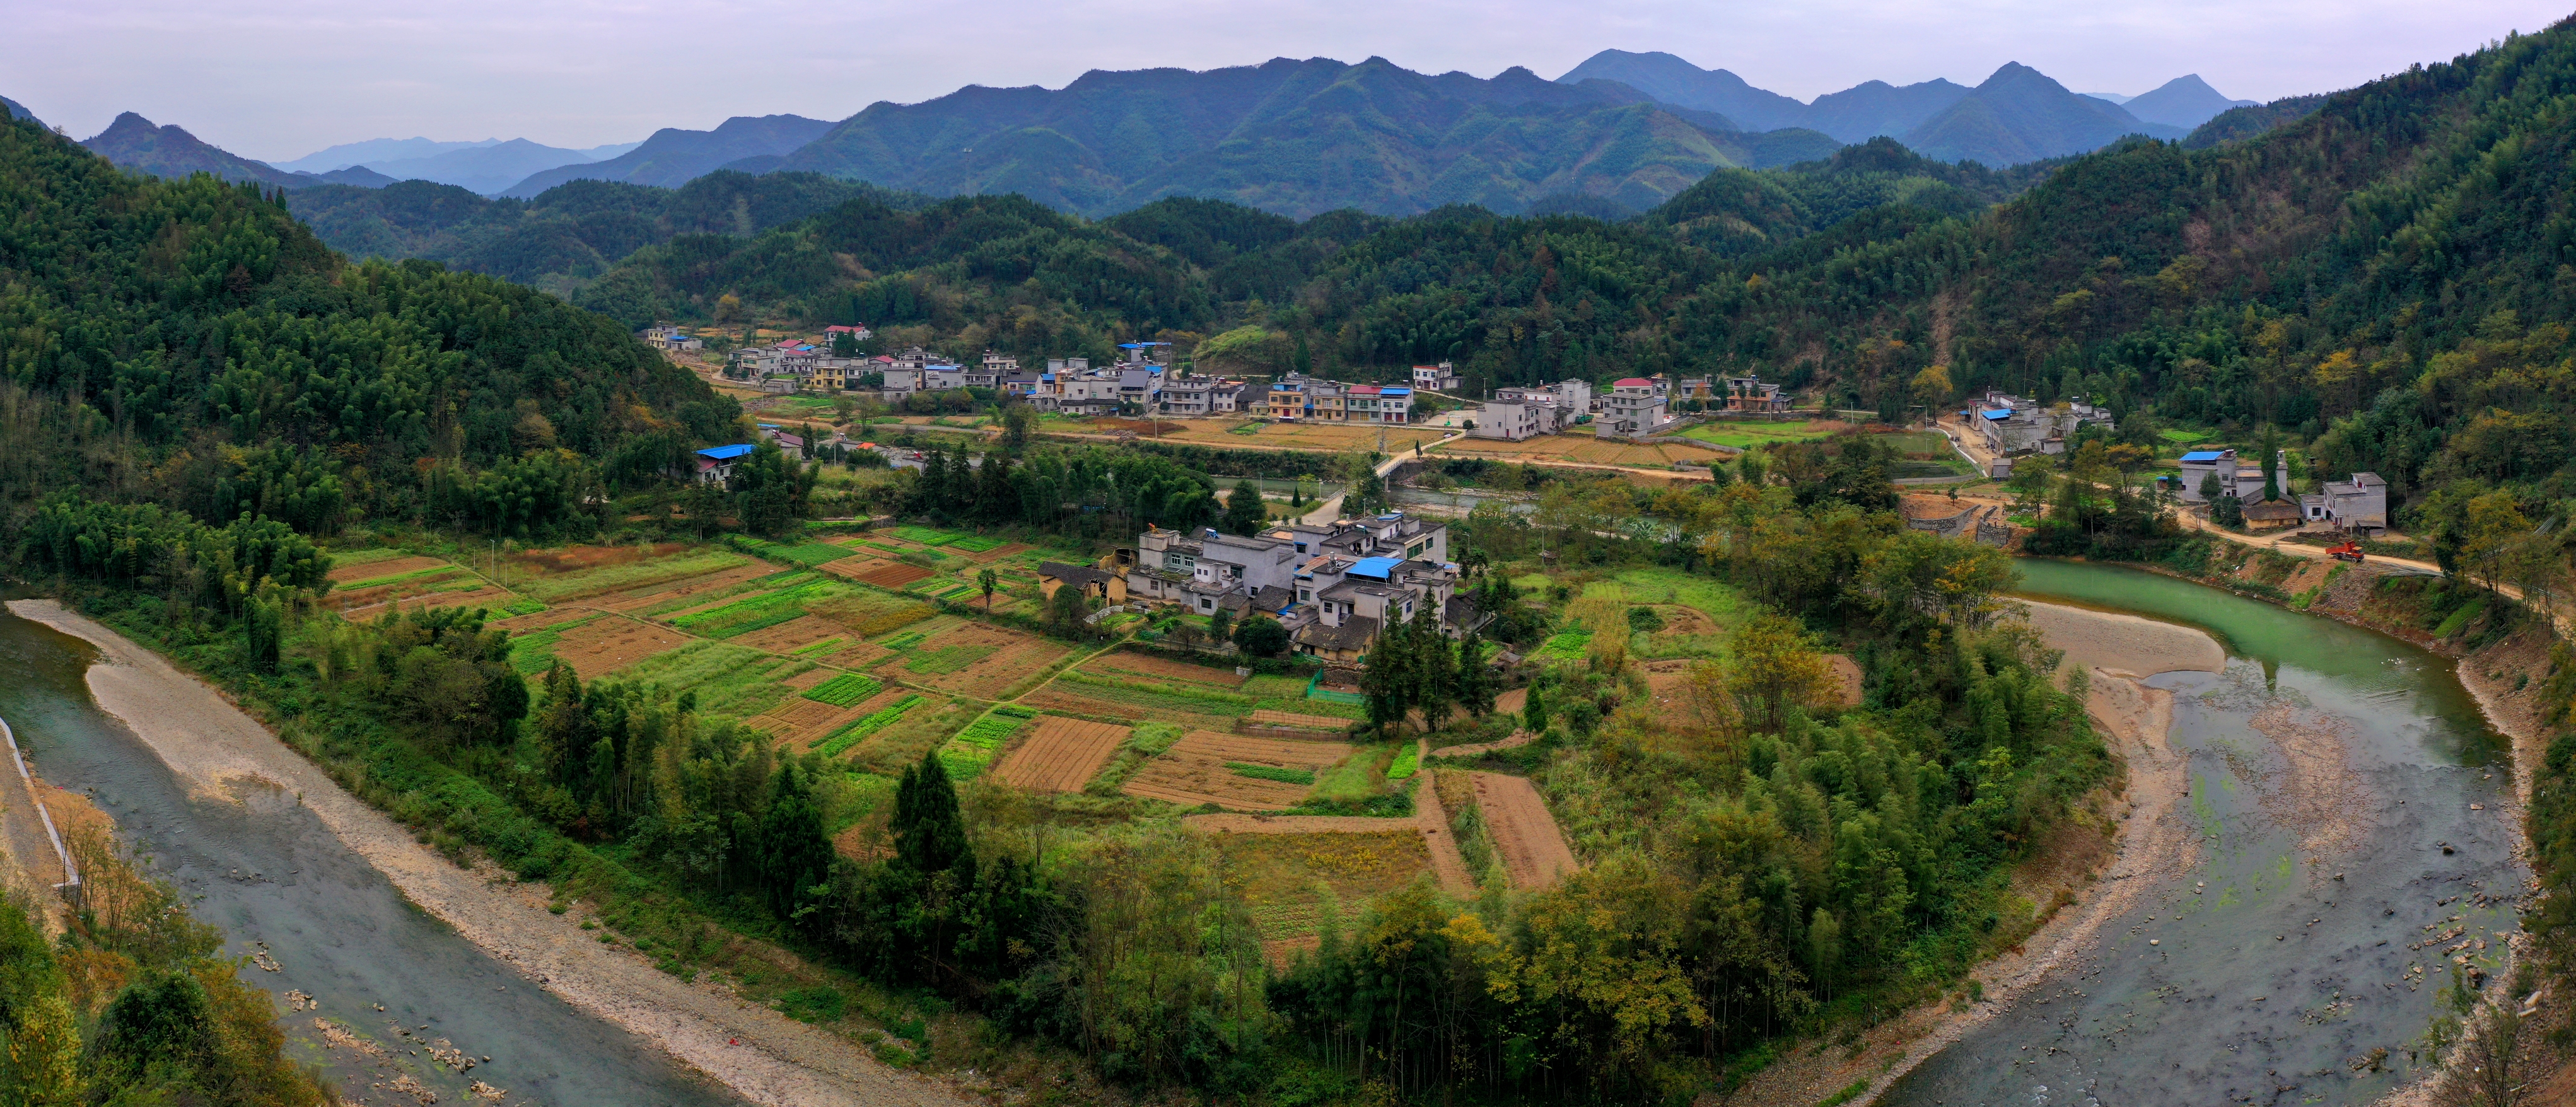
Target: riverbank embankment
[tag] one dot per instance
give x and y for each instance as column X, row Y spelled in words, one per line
column 221, row 753
column 2094, row 879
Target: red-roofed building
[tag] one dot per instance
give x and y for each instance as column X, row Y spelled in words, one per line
column 1634, row 409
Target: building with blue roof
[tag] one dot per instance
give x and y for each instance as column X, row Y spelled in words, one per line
column 715, row 463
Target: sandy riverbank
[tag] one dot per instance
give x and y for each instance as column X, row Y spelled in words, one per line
column 2153, row 835
column 214, row 747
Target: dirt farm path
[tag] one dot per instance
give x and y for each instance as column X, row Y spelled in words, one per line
column 208, row 742
column 1534, row 852
column 1447, row 863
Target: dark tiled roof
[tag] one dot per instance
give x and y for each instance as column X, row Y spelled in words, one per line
column 1464, row 614
column 1273, row 599
column 1073, row 574
column 1353, row 635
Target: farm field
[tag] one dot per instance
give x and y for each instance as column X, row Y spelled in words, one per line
column 1526, row 838
column 1284, row 878
column 1061, row 755
column 976, row 659
column 1585, row 450
column 1748, row 433
column 609, row 643
column 1320, row 437
column 1120, row 664
column 1200, row 769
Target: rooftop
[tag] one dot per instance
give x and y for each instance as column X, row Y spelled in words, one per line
column 2203, row 455
column 725, row 453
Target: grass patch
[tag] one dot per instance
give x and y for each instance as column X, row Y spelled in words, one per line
column 858, row 730
column 1746, row 435
column 351, row 559
column 631, row 575
column 926, row 536
column 1301, row 705
column 731, row 681
column 767, row 609
column 977, row 544
column 400, row 578
column 973, row 749
column 1272, row 772
column 905, row 641
column 523, row 607
column 1144, row 743
column 821, row 648
column 1175, row 698
column 1355, row 779
column 844, row 690
column 1566, row 645
column 945, row 659
column 1407, row 762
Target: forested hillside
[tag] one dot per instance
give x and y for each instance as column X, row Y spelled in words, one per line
column 569, row 233
column 1296, row 137
column 189, row 344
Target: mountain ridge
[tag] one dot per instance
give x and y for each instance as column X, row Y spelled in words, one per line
column 136, row 143
column 674, row 156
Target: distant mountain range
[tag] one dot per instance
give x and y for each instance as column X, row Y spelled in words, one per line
column 137, row 143
column 16, row 110
column 2017, row 115
column 1297, row 137
column 673, row 157
column 1621, row 133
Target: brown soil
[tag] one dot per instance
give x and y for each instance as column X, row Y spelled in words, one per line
column 1015, row 656
column 521, row 624
column 892, row 574
column 1194, row 771
column 799, row 723
column 573, row 559
column 995, row 554
column 649, row 595
column 852, row 568
column 1680, row 620
column 1062, row 755
column 391, row 567
column 1056, row 697
column 1162, row 668
column 1514, row 701
column 1303, row 722
column 794, row 634
column 1479, row 749
column 489, row 597
column 1533, row 851
column 1847, row 679
column 609, row 643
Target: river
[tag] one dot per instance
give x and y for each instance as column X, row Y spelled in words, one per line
column 267, row 871
column 2352, row 806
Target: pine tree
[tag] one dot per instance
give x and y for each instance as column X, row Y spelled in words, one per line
column 1244, row 511
column 1534, row 710
column 794, row 853
column 1435, row 667
column 1475, row 678
column 1386, row 678
column 929, row 831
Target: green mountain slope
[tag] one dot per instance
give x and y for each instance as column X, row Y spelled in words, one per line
column 190, row 343
column 673, row 157
column 1296, row 137
column 2390, row 273
column 135, row 143
column 568, row 234
column 2019, row 115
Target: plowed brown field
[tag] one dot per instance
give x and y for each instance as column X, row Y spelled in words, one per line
column 609, row 643
column 1054, row 697
column 634, row 599
column 1162, row 668
column 1062, row 755
column 1194, row 771
column 1014, row 656
column 1533, row 851
column 387, row 568
column 892, row 574
column 794, row 634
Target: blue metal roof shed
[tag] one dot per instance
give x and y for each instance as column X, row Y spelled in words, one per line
column 1374, row 568
column 725, row 453
column 2204, row 455
column 1998, row 413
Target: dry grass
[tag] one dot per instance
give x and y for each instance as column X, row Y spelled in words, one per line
column 1194, row 771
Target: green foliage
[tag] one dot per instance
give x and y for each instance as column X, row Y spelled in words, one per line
column 966, row 755
column 1408, row 760
column 767, row 609
column 844, row 690
column 1272, row 772
column 857, row 731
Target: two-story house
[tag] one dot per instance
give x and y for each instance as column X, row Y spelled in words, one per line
column 1634, row 408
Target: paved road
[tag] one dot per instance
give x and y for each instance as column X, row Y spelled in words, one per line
column 1331, row 509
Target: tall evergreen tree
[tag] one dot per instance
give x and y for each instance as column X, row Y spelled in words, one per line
column 794, row 853
column 1475, row 679
column 1244, row 512
column 1435, row 667
column 929, row 831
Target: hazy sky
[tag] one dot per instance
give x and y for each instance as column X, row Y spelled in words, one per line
column 279, row 79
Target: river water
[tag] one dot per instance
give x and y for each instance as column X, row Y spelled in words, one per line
column 267, row 871
column 2330, row 767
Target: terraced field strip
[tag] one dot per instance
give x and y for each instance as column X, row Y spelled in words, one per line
column 1533, row 850
column 1119, row 664
column 394, row 570
column 1302, row 722
column 968, row 753
column 893, row 574
column 1199, row 769
column 703, row 585
column 1062, row 756
column 609, row 643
